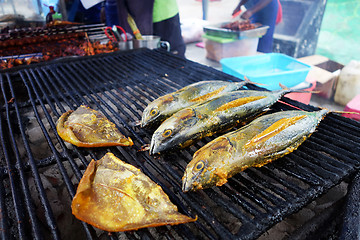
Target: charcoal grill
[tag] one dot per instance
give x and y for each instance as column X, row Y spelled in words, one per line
column 120, row 85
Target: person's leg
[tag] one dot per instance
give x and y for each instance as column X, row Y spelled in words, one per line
column 266, row 16
column 140, row 10
column 112, row 16
column 170, row 30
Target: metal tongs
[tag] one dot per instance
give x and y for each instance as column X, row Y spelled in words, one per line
column 114, row 35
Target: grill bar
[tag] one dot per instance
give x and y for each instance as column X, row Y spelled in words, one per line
column 4, row 229
column 36, row 175
column 18, row 201
column 89, row 96
column 67, row 181
column 120, row 85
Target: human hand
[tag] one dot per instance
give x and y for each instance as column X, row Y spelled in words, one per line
column 236, row 10
column 247, row 14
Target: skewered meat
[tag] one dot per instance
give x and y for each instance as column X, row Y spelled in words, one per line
column 62, row 48
column 50, row 41
column 239, row 25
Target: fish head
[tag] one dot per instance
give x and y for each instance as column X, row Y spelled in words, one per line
column 209, row 166
column 150, row 114
column 173, row 132
column 156, row 110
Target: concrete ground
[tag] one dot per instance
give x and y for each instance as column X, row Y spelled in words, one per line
column 217, row 11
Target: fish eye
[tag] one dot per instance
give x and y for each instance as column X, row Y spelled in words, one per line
column 199, row 166
column 153, row 112
column 167, row 133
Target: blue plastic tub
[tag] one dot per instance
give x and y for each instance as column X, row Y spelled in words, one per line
column 269, row 69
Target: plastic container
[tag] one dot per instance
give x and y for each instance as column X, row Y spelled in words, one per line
column 268, row 69
column 218, row 48
column 348, row 85
column 218, row 31
column 151, row 42
column 353, row 106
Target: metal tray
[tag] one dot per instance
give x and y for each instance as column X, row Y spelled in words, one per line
column 217, row 30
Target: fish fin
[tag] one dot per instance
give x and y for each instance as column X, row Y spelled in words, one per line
column 304, row 91
column 273, row 130
column 345, row 112
column 247, row 81
column 208, row 95
column 144, row 148
column 285, row 88
column 238, row 102
column 135, row 124
column 340, row 112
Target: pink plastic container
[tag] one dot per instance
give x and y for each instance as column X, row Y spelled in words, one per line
column 353, row 106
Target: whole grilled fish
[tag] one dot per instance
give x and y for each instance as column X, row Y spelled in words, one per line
column 164, row 106
column 265, row 139
column 205, row 119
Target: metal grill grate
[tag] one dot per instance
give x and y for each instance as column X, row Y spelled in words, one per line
column 120, row 85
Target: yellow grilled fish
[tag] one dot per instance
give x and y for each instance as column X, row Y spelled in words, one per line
column 163, row 107
column 213, row 116
column 265, row 139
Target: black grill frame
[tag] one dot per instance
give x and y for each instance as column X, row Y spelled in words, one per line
column 120, row 85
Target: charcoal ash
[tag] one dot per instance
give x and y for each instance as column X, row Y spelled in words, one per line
column 59, row 200
column 294, row 225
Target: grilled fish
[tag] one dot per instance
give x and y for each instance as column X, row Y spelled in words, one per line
column 163, row 107
column 115, row 196
column 86, row 127
column 265, row 139
column 205, row 119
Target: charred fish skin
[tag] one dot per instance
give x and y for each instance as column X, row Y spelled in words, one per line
column 208, row 118
column 164, row 106
column 265, row 139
